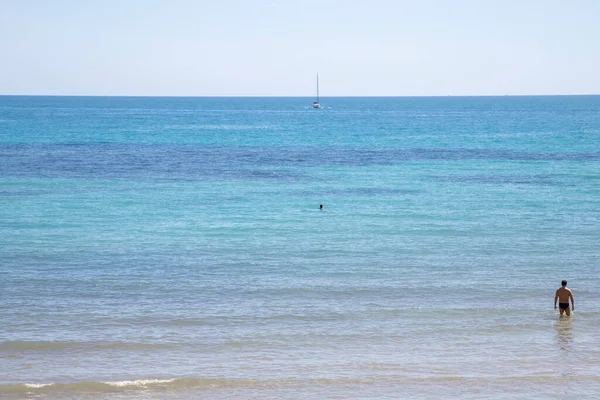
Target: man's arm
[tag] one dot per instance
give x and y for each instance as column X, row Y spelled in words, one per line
column 572, row 300
column 555, row 298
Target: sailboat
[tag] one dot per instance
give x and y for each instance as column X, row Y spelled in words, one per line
column 316, row 104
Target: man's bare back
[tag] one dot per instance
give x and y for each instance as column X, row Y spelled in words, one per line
column 563, row 294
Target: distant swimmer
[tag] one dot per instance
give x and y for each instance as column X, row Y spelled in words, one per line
column 563, row 294
column 320, row 206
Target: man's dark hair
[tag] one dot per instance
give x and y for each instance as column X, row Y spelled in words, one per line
column 564, row 283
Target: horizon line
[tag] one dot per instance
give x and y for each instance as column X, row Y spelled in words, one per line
column 293, row 96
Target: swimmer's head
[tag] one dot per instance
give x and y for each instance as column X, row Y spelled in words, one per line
column 564, row 283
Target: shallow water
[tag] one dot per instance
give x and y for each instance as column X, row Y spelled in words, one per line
column 173, row 247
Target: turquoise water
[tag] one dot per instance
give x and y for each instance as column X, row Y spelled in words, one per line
column 174, row 248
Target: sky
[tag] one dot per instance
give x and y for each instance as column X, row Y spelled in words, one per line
column 277, row 47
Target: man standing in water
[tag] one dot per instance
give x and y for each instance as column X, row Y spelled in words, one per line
column 563, row 294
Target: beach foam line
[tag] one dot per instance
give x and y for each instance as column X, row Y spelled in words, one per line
column 181, row 384
column 122, row 386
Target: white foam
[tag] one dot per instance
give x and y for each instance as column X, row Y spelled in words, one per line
column 140, row 382
column 38, row 385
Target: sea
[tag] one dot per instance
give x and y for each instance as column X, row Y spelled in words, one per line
column 174, row 248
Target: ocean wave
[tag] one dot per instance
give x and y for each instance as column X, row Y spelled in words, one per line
column 124, row 385
column 182, row 384
column 33, row 345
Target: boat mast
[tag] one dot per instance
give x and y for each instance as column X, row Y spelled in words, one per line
column 317, row 87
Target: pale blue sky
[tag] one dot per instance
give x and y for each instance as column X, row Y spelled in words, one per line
column 276, row 47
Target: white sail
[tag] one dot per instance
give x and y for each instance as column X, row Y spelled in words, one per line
column 317, row 104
